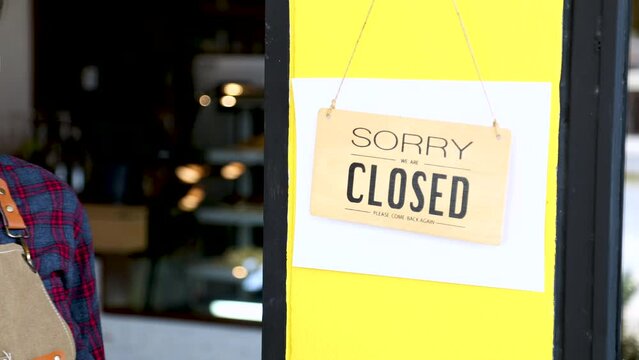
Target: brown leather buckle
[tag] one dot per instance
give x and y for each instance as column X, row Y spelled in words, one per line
column 11, row 217
column 13, row 222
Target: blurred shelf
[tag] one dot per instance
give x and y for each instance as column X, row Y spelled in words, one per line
column 213, row 271
column 213, row 69
column 243, row 103
column 632, row 154
column 633, row 80
column 247, row 156
column 237, row 215
column 248, row 275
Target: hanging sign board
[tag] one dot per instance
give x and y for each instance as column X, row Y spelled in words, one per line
column 432, row 177
column 404, row 182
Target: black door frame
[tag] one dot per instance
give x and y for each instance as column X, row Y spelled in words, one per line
column 590, row 179
column 275, row 179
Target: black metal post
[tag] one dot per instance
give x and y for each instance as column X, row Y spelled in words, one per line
column 591, row 170
column 275, row 180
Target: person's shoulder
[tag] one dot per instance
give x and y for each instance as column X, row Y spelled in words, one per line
column 23, row 174
column 9, row 163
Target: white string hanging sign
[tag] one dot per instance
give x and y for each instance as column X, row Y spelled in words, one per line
column 426, row 176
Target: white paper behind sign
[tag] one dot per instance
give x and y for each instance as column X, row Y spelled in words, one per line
column 518, row 263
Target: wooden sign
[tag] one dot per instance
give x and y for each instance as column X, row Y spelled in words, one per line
column 432, row 177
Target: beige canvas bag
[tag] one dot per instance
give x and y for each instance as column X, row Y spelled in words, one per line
column 30, row 326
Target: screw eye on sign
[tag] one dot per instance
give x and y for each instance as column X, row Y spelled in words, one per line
column 432, row 177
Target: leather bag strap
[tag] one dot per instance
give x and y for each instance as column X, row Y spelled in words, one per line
column 56, row 355
column 13, row 222
column 10, row 213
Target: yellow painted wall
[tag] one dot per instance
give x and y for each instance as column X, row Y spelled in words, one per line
column 334, row 315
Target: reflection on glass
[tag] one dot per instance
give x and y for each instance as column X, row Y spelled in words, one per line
column 237, row 310
column 205, row 100
column 190, row 174
column 239, row 272
column 233, row 89
column 192, row 199
column 233, row 170
column 228, row 101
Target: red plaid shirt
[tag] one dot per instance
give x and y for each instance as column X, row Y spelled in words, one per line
column 61, row 245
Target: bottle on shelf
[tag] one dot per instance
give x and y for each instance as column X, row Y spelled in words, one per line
column 57, row 146
column 71, row 163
